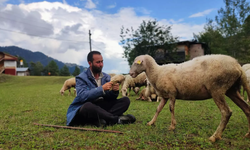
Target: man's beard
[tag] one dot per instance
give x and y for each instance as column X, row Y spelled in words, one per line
column 96, row 69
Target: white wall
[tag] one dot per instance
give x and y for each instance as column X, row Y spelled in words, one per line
column 20, row 73
column 10, row 64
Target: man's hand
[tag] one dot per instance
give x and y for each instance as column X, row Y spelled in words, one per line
column 107, row 86
column 115, row 87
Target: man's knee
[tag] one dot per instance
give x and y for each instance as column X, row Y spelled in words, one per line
column 125, row 100
column 87, row 106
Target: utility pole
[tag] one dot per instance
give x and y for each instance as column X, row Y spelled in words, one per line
column 90, row 41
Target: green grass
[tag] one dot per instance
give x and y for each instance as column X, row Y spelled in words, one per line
column 25, row 100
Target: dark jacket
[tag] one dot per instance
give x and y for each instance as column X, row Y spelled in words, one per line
column 87, row 91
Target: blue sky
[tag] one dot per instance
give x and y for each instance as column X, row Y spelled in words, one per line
column 60, row 28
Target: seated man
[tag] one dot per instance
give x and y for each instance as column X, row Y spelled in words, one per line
column 96, row 102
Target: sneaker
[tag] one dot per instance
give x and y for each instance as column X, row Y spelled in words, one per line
column 100, row 123
column 126, row 119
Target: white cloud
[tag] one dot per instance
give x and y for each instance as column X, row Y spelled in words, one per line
column 90, row 5
column 2, row 2
column 200, row 14
column 54, row 21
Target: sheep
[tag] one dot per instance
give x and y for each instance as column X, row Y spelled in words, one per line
column 248, row 81
column 119, row 78
column 67, row 85
column 150, row 92
column 112, row 74
column 246, row 68
column 142, row 95
column 132, row 82
column 204, row 77
column 136, row 90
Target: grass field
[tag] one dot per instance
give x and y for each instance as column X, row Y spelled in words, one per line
column 28, row 100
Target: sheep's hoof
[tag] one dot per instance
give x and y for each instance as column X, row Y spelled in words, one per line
column 171, row 128
column 149, row 123
column 247, row 135
column 213, row 138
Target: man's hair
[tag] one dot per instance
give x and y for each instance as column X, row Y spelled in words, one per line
column 90, row 55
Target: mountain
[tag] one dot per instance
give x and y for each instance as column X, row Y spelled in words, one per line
column 37, row 56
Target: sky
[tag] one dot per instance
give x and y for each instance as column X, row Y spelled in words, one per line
column 60, row 29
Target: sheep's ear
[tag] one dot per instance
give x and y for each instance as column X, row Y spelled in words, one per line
column 139, row 62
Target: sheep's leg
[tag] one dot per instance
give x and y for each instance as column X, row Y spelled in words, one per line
column 171, row 107
column 158, row 98
column 149, row 99
column 159, row 108
column 129, row 89
column 226, row 113
column 236, row 98
column 69, row 92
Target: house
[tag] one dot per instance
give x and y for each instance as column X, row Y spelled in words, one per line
column 23, row 71
column 8, row 63
column 185, row 50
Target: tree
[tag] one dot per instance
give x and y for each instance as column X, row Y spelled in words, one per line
column 25, row 64
column 145, row 39
column 36, row 69
column 51, row 68
column 212, row 37
column 77, row 71
column 64, row 71
column 230, row 31
column 230, row 21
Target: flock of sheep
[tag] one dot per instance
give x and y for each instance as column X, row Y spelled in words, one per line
column 204, row 77
column 127, row 84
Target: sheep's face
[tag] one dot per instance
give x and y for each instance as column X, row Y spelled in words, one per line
column 124, row 92
column 136, row 90
column 62, row 92
column 137, row 67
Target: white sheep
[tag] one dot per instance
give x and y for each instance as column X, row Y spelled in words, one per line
column 119, row 78
column 136, row 90
column 112, row 74
column 248, row 81
column 246, row 68
column 204, row 77
column 67, row 85
column 151, row 93
column 142, row 95
column 130, row 82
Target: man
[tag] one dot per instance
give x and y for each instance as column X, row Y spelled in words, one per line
column 96, row 102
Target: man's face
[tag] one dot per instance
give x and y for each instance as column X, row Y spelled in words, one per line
column 97, row 64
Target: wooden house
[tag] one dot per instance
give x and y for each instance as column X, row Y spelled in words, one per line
column 185, row 50
column 8, row 63
column 23, row 71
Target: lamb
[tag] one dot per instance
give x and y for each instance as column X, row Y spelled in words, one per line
column 150, row 92
column 112, row 74
column 136, row 90
column 67, row 85
column 132, row 82
column 204, row 77
column 142, row 95
column 119, row 78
